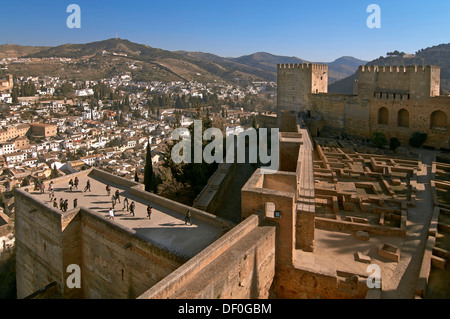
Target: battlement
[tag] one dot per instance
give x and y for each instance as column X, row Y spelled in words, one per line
column 304, row 66
column 401, row 70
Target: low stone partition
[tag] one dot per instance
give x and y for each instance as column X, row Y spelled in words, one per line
column 181, row 208
column 351, row 227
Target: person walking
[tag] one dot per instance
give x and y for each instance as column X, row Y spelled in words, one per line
column 117, row 195
column 88, row 186
column 71, row 184
column 111, row 213
column 55, row 203
column 108, row 190
column 125, row 204
column 132, row 205
column 61, row 203
column 113, row 201
column 50, row 186
column 75, row 203
column 75, row 182
column 51, row 194
column 42, row 188
column 187, row 218
column 66, row 205
column 149, row 211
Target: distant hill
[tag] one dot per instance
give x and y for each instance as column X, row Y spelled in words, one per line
column 102, row 59
column 437, row 55
column 15, row 51
column 338, row 69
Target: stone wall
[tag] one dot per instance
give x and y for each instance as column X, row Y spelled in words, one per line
column 39, row 256
column 241, row 264
column 408, row 97
column 116, row 262
column 295, row 283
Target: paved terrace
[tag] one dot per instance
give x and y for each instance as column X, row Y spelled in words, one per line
column 166, row 226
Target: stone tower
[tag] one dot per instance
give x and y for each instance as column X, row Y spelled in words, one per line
column 296, row 82
column 406, row 83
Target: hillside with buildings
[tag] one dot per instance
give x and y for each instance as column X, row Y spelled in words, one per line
column 95, row 60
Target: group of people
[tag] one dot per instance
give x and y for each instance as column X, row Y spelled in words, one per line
column 64, row 204
column 73, row 184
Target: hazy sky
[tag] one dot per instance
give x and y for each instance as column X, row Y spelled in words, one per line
column 318, row 31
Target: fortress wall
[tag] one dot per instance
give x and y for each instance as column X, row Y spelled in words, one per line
column 302, row 283
column 357, row 118
column 71, row 248
column 237, row 265
column 244, row 271
column 419, row 81
column 116, row 262
column 267, row 121
column 419, row 120
column 288, row 121
column 39, row 258
column 254, row 199
column 393, row 78
column 342, row 111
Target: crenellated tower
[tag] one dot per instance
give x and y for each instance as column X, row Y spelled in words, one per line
column 297, row 81
column 398, row 82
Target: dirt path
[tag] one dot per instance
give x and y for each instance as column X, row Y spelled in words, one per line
column 402, row 284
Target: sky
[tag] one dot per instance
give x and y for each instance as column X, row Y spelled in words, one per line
column 317, row 31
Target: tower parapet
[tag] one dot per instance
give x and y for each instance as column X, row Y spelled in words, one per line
column 414, row 81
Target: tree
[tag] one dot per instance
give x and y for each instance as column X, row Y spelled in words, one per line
column 54, row 173
column 417, row 139
column 394, row 143
column 379, row 139
column 148, row 170
column 136, row 177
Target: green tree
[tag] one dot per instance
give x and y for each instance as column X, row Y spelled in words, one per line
column 417, row 139
column 136, row 177
column 379, row 139
column 148, row 170
column 54, row 173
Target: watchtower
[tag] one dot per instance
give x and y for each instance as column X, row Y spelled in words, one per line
column 296, row 82
column 398, row 82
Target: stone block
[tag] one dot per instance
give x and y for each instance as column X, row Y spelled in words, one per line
column 389, row 252
column 438, row 262
column 362, row 235
column 362, row 258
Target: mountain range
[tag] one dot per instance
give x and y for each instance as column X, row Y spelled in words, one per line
column 102, row 59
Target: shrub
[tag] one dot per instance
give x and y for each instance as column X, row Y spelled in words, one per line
column 417, row 139
column 394, row 143
column 379, row 139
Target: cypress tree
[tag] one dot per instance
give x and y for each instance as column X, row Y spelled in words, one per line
column 148, row 170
